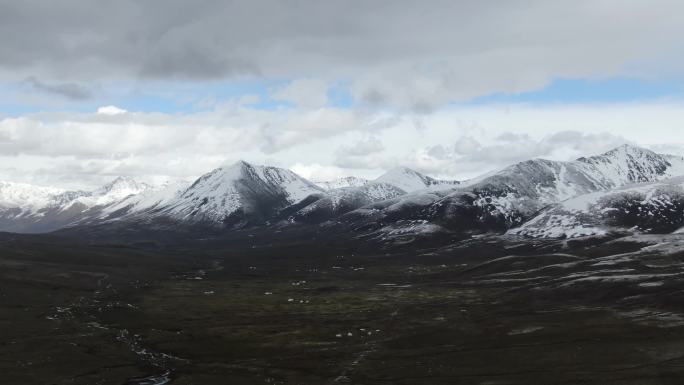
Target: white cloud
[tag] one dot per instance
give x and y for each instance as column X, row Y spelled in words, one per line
column 110, row 110
column 455, row 142
column 468, row 157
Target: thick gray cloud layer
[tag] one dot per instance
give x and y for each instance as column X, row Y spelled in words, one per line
column 406, row 53
column 68, row 90
column 400, row 58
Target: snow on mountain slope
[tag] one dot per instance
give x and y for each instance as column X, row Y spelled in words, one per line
column 244, row 194
column 553, row 181
column 410, row 180
column 295, row 187
column 547, row 182
column 25, row 197
column 338, row 201
column 607, row 182
column 148, row 199
column 357, row 193
column 114, row 191
column 240, row 191
column 653, row 207
column 348, row 181
column 27, row 208
column 508, row 198
column 629, row 164
column 373, row 192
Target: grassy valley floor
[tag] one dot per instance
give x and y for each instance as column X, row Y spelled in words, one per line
column 300, row 308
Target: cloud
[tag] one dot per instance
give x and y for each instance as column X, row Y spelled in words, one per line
column 362, row 147
column 398, row 53
column 508, row 148
column 359, row 155
column 180, row 145
column 307, row 93
column 86, row 149
column 465, row 145
column 110, row 110
column 71, row 91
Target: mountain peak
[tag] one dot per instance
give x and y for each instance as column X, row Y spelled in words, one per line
column 399, row 171
column 123, row 182
column 241, row 190
column 629, row 149
column 123, row 179
column 241, row 163
column 623, row 150
column 119, row 188
column 406, row 179
column 632, row 164
column 231, row 170
column 344, row 182
column 625, row 154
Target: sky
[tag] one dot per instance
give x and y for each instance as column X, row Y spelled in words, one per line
column 171, row 89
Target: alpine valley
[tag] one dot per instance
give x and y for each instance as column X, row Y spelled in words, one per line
column 545, row 272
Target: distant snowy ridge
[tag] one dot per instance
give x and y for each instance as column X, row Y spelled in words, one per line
column 241, row 193
column 532, row 198
column 642, row 207
column 149, row 199
column 410, row 180
column 25, row 195
column 18, row 195
column 29, row 208
column 333, row 203
column 115, row 191
column 510, row 197
column 348, row 181
column 403, row 178
column 357, row 193
column 615, row 179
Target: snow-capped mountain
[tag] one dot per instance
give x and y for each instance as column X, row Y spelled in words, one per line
column 332, row 203
column 357, row 193
column 627, row 187
column 26, row 198
column 409, row 180
column 655, row 207
column 630, row 164
column 114, row 191
column 508, row 198
column 29, row 208
column 347, row 181
column 552, row 181
column 148, row 200
column 238, row 194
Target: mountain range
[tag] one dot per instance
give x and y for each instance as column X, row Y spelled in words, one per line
column 626, row 189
